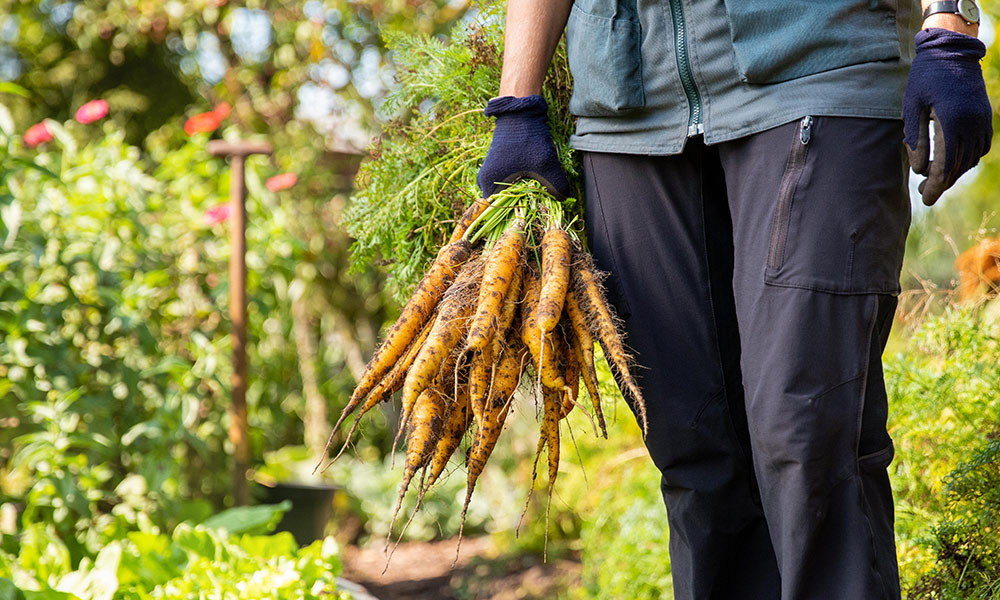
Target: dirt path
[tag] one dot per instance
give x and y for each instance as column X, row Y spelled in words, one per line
column 423, row 571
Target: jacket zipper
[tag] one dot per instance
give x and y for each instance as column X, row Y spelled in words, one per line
column 695, row 125
column 786, row 191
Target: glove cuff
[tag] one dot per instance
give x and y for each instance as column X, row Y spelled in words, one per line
column 956, row 45
column 529, row 106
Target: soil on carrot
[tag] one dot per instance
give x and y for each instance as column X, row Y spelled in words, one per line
column 424, row 571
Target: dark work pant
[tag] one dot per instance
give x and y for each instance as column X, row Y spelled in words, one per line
column 757, row 280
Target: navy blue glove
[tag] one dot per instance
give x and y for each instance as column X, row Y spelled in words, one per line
column 946, row 86
column 522, row 147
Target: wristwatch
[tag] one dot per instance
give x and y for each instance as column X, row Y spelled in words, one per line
column 966, row 9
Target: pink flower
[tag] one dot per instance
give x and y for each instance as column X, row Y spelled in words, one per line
column 281, row 182
column 37, row 134
column 202, row 123
column 217, row 214
column 92, row 111
column 222, row 110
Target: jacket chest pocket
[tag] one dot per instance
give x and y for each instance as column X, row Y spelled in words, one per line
column 779, row 40
column 605, row 60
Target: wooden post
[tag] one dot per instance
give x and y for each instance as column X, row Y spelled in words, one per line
column 239, row 429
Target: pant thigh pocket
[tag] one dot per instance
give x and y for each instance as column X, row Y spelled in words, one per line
column 877, row 461
column 842, row 209
column 606, row 63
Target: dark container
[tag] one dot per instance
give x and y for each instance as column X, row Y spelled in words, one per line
column 312, row 506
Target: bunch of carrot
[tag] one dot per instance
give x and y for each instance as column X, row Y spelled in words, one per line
column 512, row 296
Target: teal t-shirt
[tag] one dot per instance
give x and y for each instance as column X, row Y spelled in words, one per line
column 649, row 74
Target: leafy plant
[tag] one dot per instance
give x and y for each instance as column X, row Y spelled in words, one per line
column 189, row 561
column 965, row 540
column 632, row 522
column 944, row 394
column 114, row 353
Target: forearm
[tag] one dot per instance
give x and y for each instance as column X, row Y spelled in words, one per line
column 533, row 30
column 947, row 21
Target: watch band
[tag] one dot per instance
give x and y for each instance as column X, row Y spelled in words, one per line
column 952, row 7
column 945, row 6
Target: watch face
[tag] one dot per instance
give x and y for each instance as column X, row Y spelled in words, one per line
column 968, row 10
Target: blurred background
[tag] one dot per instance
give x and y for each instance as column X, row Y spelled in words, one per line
column 116, row 438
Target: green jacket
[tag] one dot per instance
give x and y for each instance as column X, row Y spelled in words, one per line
column 648, row 74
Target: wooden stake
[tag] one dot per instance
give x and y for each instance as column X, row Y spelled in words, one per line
column 239, row 429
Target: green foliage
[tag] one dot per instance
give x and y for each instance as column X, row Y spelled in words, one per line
column 249, row 519
column 965, row 540
column 945, row 404
column 114, row 353
column 631, row 522
column 114, row 358
column 184, row 564
column 101, row 411
column 153, row 60
column 423, row 171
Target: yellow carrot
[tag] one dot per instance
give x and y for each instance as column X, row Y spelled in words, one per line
column 415, row 314
column 388, row 386
column 510, row 304
column 582, row 344
column 501, row 264
column 454, row 430
column 479, row 381
column 471, row 214
column 602, row 323
column 572, row 377
column 531, row 334
column 556, row 251
column 429, row 417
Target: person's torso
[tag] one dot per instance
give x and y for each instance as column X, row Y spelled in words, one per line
column 648, row 74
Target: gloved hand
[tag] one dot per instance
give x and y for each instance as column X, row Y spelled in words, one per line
column 946, row 86
column 522, row 147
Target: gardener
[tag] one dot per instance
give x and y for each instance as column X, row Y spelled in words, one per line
column 746, row 189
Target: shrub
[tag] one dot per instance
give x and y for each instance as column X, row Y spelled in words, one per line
column 114, row 353
column 944, row 394
column 181, row 565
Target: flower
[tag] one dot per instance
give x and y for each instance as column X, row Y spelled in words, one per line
column 207, row 121
column 37, row 134
column 92, row 111
column 202, row 123
column 217, row 214
column 222, row 110
column 281, row 182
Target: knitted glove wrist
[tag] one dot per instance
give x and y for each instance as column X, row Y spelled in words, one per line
column 522, row 147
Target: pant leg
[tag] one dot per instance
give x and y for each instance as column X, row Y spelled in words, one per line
column 660, row 226
column 820, row 219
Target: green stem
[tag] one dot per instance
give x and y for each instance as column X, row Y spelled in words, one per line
column 473, row 233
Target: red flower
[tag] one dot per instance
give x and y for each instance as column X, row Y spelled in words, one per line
column 92, row 111
column 37, row 134
column 217, row 214
column 281, row 182
column 202, row 123
column 222, row 110
column 207, row 121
